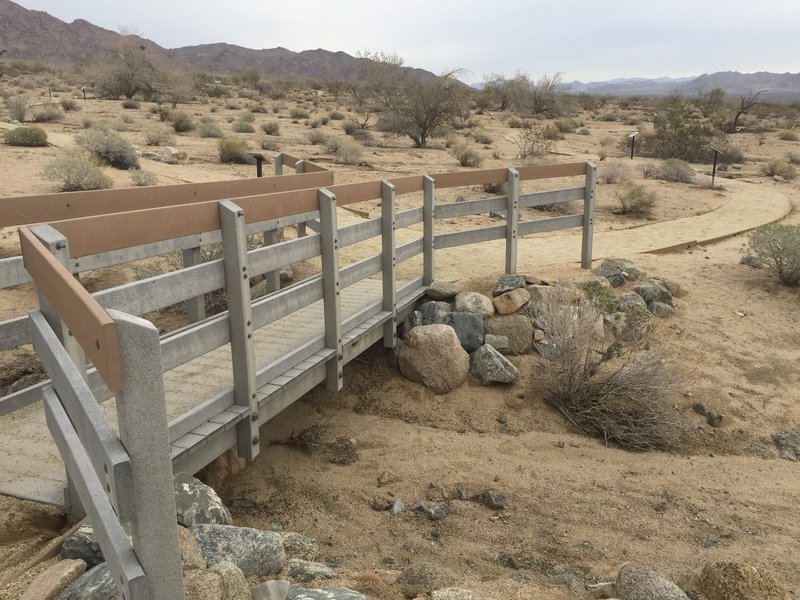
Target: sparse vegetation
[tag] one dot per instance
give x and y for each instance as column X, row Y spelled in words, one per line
column 531, row 143
column 181, row 121
column 298, row 113
column 788, row 136
column 158, row 136
column 672, row 169
column 634, row 199
column 242, row 127
column 75, row 172
column 613, row 173
column 108, row 146
column 140, row 177
column 316, row 137
column 130, row 104
column 233, row 149
column 26, row 136
column 17, row 108
column 68, row 104
column 777, row 246
column 209, row 130
column 271, row 128
column 466, row 155
column 47, row 113
column 779, row 168
column 349, row 152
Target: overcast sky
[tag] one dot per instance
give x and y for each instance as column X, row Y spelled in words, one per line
column 589, row 40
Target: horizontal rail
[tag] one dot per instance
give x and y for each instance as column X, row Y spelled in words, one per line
column 286, row 301
column 92, row 326
column 471, row 207
column 117, row 551
column 360, row 270
column 270, row 258
column 14, row 333
column 409, row 217
column 473, row 236
column 409, row 250
column 551, row 197
column 358, row 232
column 551, row 224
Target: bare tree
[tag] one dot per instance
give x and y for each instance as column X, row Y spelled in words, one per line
column 745, row 104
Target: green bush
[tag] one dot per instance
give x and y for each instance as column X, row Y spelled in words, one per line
column 349, row 153
column 531, row 143
column 130, row 104
column 271, row 128
column 779, row 168
column 209, row 130
column 601, row 297
column 181, row 121
column 466, row 156
column 26, row 136
column 108, row 146
column 234, row 149
column 158, row 136
column 242, row 127
column 778, row 247
column 143, row 178
column 672, row 169
column 635, row 200
column 47, row 113
column 76, row 172
column 68, row 104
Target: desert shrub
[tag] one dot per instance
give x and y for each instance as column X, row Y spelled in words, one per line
column 549, row 132
column 258, row 108
column 672, row 169
column 788, row 136
column 613, row 173
column 583, row 131
column 268, row 144
column 17, row 108
column 481, row 137
column 567, row 125
column 143, row 178
column 209, row 130
column 181, row 121
column 466, row 155
column 618, row 397
column 242, row 127
column 87, row 122
column 531, row 143
column 47, row 113
column 335, row 115
column 271, row 128
column 316, row 137
column 233, row 149
column 609, row 117
column 332, row 143
column 635, row 200
column 247, row 116
column 130, row 104
column 601, row 297
column 164, row 113
column 495, row 188
column 779, row 168
column 349, row 127
column 68, row 104
column 299, row 113
column 793, row 158
column 158, row 136
column 515, row 123
column 365, row 137
column 108, row 146
column 75, row 172
column 314, row 124
column 348, row 153
column 778, row 247
column 26, row 136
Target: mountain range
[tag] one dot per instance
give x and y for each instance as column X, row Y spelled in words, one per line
column 36, row 35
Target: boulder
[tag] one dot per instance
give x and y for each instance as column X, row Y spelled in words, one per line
column 191, row 557
column 434, row 313
column 305, row 571
column 506, row 283
column 618, row 270
column 340, row 593
column 518, row 329
column 432, row 355
column 51, row 582
column 195, row 502
column 442, row 290
column 739, row 581
column 297, row 545
column 234, row 584
column 82, row 545
column 654, row 292
column 673, row 287
column 788, row 444
column 498, row 342
column 412, row 320
column 510, row 302
column 475, row 303
column 631, row 299
column 751, row 261
column 468, row 328
column 94, row 584
column 202, row 585
column 489, row 366
column 172, row 155
column 276, row 589
column 422, row 577
column 636, row 581
column 255, row 552
column 661, row 310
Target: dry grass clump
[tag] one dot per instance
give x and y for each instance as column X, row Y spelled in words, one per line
column 75, row 172
column 613, row 173
column 779, row 168
column 616, row 394
column 777, row 245
column 309, row 439
column 634, row 199
column 466, row 155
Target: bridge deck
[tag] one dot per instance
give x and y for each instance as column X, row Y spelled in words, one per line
column 30, row 465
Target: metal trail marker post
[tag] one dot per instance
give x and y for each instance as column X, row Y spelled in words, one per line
column 717, row 152
column 632, row 136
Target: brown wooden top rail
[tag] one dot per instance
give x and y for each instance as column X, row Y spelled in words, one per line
column 91, row 325
column 102, row 233
column 26, row 210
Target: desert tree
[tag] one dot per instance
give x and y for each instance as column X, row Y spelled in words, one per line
column 746, row 104
column 125, row 71
column 409, row 103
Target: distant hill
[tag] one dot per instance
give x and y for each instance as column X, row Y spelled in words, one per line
column 36, row 35
column 777, row 87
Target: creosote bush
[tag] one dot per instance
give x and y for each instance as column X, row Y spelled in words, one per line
column 17, row 108
column 242, row 127
column 348, row 152
column 605, row 391
column 779, row 168
column 672, row 169
column 298, row 113
column 76, row 172
column 613, row 173
column 140, row 177
column 271, row 128
column 68, row 104
column 158, row 136
column 466, row 155
column 130, row 104
column 209, row 130
column 181, row 121
column 108, row 146
column 778, row 247
column 316, row 137
column 26, row 136
column 532, row 143
column 47, row 113
column 234, row 149
column 634, row 199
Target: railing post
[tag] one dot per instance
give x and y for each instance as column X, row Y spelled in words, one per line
column 272, row 237
column 428, row 239
column 195, row 307
column 299, row 168
column 388, row 262
column 588, row 215
column 512, row 220
column 58, row 245
column 329, row 242
column 240, row 324
column 142, row 417
column 279, row 164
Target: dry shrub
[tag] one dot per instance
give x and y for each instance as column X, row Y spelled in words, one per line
column 309, row 439
column 466, row 155
column 76, row 172
column 342, row 451
column 777, row 245
column 613, row 173
column 634, row 199
column 608, row 392
column 779, row 168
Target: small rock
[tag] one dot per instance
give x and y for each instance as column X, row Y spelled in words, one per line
column 421, row 578
column 788, row 443
column 297, row 545
column 468, row 328
column 699, row 408
column 439, row 511
column 414, row 319
column 435, row 313
column 503, row 419
column 751, row 261
column 491, row 499
column 636, row 581
column 380, row 504
column 475, row 303
column 388, row 477
column 518, row 329
column 654, row 292
column 340, row 593
column 305, row 571
column 286, row 274
column 712, row 541
column 673, row 287
column 195, row 502
column 277, row 589
column 498, row 342
column 51, row 582
column 507, row 283
column 255, row 552
column 661, row 310
column 442, row 290
column 82, row 545
column 432, row 355
column 94, row 584
column 739, row 581
column 455, row 594
column 510, row 302
column 489, row 366
column 618, row 271
column 398, row 506
column 172, row 155
column 714, row 419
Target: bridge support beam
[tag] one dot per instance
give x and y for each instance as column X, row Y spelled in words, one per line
column 428, row 238
column 331, row 292
column 588, row 215
column 389, row 262
column 512, row 220
column 240, row 324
